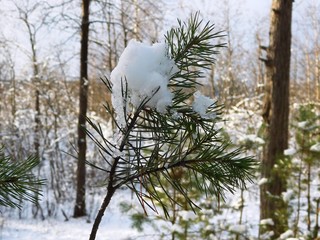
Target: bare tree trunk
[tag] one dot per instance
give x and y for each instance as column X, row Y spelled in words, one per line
column 123, row 24
column 37, row 104
column 317, row 75
column 260, row 72
column 80, row 206
column 276, row 116
column 33, row 28
column 136, row 25
column 296, row 222
column 308, row 76
column 316, row 226
column 32, row 31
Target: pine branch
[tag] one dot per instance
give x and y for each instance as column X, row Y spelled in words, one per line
column 17, row 183
column 191, row 47
column 155, row 148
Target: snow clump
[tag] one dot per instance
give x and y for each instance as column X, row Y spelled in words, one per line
column 201, row 104
column 252, row 138
column 289, row 152
column 315, row 147
column 262, row 181
column 267, row 221
column 286, row 196
column 287, row 234
column 176, row 228
column 187, row 215
column 145, row 71
column 302, row 125
column 237, row 228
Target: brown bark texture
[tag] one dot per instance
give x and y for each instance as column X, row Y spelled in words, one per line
column 276, row 117
column 80, row 206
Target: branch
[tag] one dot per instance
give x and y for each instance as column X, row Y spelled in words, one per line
column 17, row 181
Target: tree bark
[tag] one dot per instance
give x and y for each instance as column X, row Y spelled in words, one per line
column 276, row 117
column 80, row 206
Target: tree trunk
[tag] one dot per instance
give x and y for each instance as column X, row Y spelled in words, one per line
column 32, row 31
column 80, row 206
column 276, row 116
column 35, row 79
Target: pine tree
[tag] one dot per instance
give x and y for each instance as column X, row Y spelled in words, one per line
column 306, row 127
column 153, row 146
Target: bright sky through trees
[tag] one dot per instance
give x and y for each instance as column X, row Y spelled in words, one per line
column 245, row 12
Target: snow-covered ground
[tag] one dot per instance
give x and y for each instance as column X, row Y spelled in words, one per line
column 74, row 229
column 115, row 225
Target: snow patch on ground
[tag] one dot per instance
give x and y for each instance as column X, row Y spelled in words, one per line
column 114, row 226
column 238, row 228
column 52, row 229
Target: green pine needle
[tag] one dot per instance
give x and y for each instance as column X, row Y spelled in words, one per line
column 156, row 148
column 17, row 183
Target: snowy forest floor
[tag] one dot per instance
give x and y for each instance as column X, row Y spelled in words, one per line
column 115, row 225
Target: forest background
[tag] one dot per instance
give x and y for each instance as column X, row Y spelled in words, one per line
column 39, row 88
